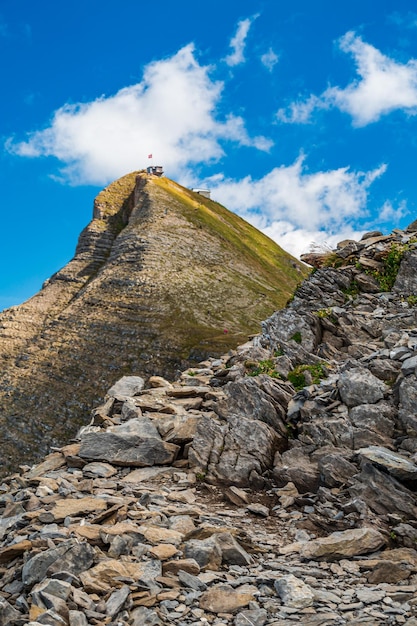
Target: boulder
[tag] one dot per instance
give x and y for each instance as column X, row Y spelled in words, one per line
column 382, row 493
column 234, row 451
column 340, row 545
column 244, row 399
column 127, row 450
column 294, row 592
column 398, row 466
column 127, row 386
column 225, row 599
column 70, row 556
column 359, row 386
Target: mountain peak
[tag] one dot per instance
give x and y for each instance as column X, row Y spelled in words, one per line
column 161, row 278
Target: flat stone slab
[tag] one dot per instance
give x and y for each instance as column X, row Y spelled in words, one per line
column 343, row 544
column 73, row 507
column 127, row 450
column 225, row 599
column 398, row 466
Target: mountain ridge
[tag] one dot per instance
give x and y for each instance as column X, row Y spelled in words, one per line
column 161, row 277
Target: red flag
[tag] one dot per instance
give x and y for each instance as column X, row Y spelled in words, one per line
column 149, row 156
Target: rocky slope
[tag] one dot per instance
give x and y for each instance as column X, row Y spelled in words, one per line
column 161, row 277
column 274, row 485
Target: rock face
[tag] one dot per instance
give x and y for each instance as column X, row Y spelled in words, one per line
column 160, row 277
column 275, row 484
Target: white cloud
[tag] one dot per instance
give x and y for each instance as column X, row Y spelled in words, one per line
column 300, row 112
column 296, row 207
column 298, row 241
column 171, row 113
column 383, row 86
column 269, row 59
column 238, row 42
column 389, row 213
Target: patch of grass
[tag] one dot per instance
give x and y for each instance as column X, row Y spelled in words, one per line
column 387, row 275
column 264, row 367
column 352, row 290
column 297, row 337
column 297, row 375
column 332, row 259
column 412, row 301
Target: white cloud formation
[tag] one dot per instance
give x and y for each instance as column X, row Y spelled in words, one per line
column 383, row 86
column 238, row 42
column 269, row 59
column 297, row 208
column 171, row 113
column 300, row 112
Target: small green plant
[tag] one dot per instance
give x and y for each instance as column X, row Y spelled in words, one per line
column 332, row 259
column 297, row 375
column 412, row 300
column 279, row 352
column 297, row 337
column 291, row 431
column 387, row 275
column 324, row 312
column 264, row 367
column 352, row 290
column 393, row 535
column 200, row 476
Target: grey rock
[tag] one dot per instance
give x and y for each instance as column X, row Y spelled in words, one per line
column 399, row 352
column 127, row 386
column 127, row 450
column 138, row 426
column 117, row 600
column 232, row 553
column 407, row 405
column 385, row 369
column 343, row 544
column 258, row 509
column 358, row 386
column 68, row 556
column 98, row 470
column 409, row 365
column 77, row 618
column 43, row 592
column 294, row 592
column 192, row 582
column 145, row 617
column 283, row 325
column 206, row 552
column 383, row 493
column 244, row 399
column 8, row 613
column 397, row 465
column 295, row 466
column 254, row 617
column 231, row 451
column 335, row 470
column 406, row 281
column 373, row 424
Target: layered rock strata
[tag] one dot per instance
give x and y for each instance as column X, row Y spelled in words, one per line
column 161, row 277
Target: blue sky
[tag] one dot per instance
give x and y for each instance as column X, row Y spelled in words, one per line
column 300, row 116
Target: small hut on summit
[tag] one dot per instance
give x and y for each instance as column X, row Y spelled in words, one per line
column 156, row 170
column 203, row 192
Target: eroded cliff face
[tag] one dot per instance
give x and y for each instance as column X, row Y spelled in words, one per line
column 161, row 278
